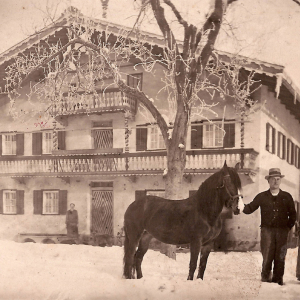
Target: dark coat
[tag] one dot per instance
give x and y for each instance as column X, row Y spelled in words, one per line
column 276, row 211
column 72, row 217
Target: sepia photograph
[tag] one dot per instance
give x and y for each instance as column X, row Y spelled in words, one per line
column 149, row 149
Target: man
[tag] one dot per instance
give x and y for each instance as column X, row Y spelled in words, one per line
column 278, row 216
column 72, row 222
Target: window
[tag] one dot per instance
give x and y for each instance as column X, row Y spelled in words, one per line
column 9, row 144
column 296, row 156
column 212, row 136
column 281, row 145
column 50, row 202
column 9, row 202
column 290, row 152
column 155, row 140
column 47, row 142
column 102, row 138
column 270, row 138
column 158, row 193
column 135, row 80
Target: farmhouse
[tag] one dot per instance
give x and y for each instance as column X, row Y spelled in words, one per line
column 102, row 152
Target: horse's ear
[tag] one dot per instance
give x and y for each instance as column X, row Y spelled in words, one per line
column 237, row 166
column 225, row 168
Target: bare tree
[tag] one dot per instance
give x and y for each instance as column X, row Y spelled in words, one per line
column 91, row 55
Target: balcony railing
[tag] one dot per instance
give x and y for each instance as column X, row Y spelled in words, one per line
column 104, row 101
column 198, row 161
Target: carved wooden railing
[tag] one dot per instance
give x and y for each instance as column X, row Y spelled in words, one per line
column 109, row 100
column 196, row 161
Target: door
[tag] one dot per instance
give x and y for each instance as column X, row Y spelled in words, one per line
column 102, row 211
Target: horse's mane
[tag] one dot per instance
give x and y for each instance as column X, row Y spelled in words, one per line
column 207, row 190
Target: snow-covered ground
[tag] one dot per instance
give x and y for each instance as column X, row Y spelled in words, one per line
column 57, row 272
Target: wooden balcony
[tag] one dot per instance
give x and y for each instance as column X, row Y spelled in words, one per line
column 140, row 163
column 109, row 101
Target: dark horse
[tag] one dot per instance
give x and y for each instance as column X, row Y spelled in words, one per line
column 195, row 221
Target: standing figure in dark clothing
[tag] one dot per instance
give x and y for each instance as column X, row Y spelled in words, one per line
column 72, row 222
column 278, row 216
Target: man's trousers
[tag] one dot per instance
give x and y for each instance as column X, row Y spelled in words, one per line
column 273, row 248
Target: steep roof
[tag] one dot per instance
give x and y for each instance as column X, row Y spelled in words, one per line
column 270, row 74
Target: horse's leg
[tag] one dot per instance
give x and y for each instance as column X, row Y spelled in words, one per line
column 205, row 251
column 130, row 244
column 194, row 249
column 141, row 251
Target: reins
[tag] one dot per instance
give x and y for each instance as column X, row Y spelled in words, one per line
column 229, row 194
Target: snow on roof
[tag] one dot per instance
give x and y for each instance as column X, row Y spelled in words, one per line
column 252, row 34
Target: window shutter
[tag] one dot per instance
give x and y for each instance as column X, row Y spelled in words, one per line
column 139, row 195
column 63, row 202
column 267, row 137
column 37, row 143
column 0, row 144
column 141, row 139
column 292, row 153
column 229, row 138
column 284, row 147
column 61, row 137
column 1, row 201
column 196, row 137
column 273, row 140
column 38, row 202
column 20, row 143
column 20, row 202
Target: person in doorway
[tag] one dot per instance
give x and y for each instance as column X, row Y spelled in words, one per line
column 278, row 216
column 72, row 222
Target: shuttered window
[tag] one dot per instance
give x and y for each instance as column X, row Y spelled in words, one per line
column 135, row 80
column 212, row 136
column 47, row 142
column 12, row 202
column 290, row 152
column 141, row 139
column 281, row 145
column 270, row 138
column 9, row 144
column 196, row 136
column 37, row 145
column 155, row 139
column 229, row 138
column 50, row 202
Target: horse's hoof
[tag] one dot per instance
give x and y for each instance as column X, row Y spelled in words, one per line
column 190, row 277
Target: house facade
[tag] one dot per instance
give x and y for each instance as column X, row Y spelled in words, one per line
column 103, row 152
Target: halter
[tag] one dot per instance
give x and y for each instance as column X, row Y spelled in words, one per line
column 232, row 198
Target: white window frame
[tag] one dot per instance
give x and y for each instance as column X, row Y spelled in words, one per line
column 51, row 202
column 213, row 136
column 9, row 144
column 47, row 143
column 158, row 193
column 9, row 202
column 155, row 139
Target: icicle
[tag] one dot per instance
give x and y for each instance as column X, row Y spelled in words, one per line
column 278, row 84
column 295, row 97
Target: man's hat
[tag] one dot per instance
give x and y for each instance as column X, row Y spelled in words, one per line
column 274, row 172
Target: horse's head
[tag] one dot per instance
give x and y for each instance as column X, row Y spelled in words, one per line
column 230, row 188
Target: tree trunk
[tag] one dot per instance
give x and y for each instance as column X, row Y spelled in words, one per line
column 176, row 164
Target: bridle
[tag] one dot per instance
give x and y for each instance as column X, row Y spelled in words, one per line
column 232, row 198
